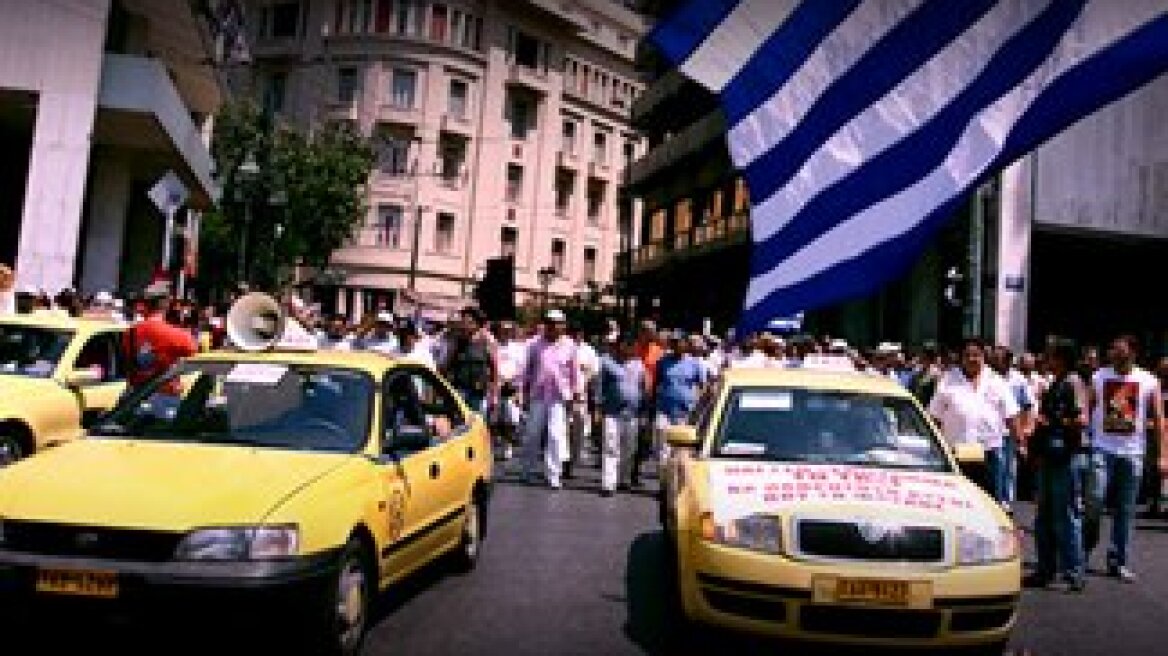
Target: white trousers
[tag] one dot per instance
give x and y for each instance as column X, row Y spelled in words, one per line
column 580, row 431
column 620, row 446
column 552, row 418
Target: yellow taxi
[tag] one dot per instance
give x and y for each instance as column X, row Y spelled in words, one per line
column 825, row 506
column 56, row 374
column 301, row 481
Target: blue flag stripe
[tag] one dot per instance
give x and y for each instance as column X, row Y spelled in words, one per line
column 905, row 49
column 682, row 32
column 915, row 156
column 783, row 54
column 1103, row 78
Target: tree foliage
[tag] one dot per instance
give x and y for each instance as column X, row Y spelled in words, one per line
column 301, row 201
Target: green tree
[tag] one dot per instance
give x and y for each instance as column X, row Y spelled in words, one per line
column 288, row 199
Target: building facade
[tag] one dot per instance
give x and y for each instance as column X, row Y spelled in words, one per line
column 98, row 99
column 501, row 127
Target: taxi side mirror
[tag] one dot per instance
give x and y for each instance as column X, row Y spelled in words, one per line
column 971, row 461
column 81, row 378
column 682, row 436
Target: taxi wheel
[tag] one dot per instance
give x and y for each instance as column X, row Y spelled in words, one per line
column 11, row 448
column 466, row 555
column 343, row 621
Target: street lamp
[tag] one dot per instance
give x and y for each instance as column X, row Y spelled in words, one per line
column 248, row 171
column 416, row 245
column 546, row 275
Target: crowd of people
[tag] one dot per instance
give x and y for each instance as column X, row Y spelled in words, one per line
column 1077, row 433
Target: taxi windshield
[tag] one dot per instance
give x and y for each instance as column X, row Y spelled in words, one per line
column 828, row 427
column 252, row 404
column 31, row 351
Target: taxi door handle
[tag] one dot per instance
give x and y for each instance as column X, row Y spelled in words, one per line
column 435, row 470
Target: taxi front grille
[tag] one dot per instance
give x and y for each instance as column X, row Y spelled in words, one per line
column 870, row 622
column 847, row 540
column 89, row 542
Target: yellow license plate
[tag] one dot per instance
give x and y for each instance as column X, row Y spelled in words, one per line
column 872, row 591
column 77, row 582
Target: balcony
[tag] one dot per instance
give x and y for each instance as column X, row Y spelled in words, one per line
column 528, row 77
column 457, row 124
column 718, row 233
column 342, row 110
column 399, row 115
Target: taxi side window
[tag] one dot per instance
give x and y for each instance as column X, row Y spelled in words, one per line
column 438, row 406
column 102, row 354
column 416, row 401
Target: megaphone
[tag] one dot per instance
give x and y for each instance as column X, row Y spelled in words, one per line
column 256, row 322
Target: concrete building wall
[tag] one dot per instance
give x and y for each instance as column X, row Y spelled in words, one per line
column 55, row 51
column 587, row 32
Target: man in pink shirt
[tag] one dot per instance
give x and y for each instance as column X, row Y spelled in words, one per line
column 549, row 386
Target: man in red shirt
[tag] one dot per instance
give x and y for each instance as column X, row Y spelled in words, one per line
column 152, row 346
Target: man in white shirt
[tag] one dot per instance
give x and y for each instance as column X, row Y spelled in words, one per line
column 587, row 368
column 411, row 347
column 335, row 336
column 975, row 405
column 380, row 337
column 1124, row 398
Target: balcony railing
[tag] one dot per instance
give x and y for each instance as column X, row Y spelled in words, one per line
column 717, row 233
column 530, row 77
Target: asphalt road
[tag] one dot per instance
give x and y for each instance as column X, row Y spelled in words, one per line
column 569, row 572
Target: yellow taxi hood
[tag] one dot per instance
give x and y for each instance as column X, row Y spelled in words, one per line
column 157, row 485
column 741, row 488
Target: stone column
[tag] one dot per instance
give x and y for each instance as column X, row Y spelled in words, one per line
column 1014, row 232
column 109, row 199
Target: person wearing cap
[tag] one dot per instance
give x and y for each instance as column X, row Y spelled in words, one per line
column 549, row 387
column 410, row 346
column 153, row 346
column 620, row 388
column 379, row 337
column 680, row 379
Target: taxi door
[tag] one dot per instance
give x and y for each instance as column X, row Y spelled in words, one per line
column 101, row 353
column 422, row 508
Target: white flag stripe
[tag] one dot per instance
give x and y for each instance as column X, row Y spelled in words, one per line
column 754, row 135
column 902, row 111
column 735, row 41
column 980, row 144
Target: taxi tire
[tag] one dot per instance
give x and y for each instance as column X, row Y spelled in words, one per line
column 12, row 447
column 465, row 556
column 326, row 626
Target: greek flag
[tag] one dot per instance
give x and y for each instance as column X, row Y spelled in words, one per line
column 862, row 125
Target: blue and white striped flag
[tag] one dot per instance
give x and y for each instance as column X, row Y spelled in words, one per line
column 862, row 125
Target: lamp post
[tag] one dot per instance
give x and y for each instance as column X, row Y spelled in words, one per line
column 546, row 275
column 248, row 171
column 416, row 246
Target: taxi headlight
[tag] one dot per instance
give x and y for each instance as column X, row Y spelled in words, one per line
column 763, row 533
column 980, row 548
column 240, row 543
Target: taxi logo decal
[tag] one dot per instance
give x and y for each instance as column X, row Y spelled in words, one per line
column 397, row 515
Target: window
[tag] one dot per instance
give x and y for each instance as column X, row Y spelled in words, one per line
column 565, row 188
column 525, row 49
column 569, row 138
column 438, row 22
column 600, row 148
column 455, row 25
column 595, row 200
column 401, row 94
column 102, row 355
column 388, row 226
column 589, row 272
column 630, row 152
column 360, row 16
column 402, row 18
column 514, row 182
column 285, row 20
column 457, row 104
column 444, row 233
column 520, row 113
column 558, row 250
column 347, row 85
column 508, row 239
column 394, row 154
column 452, row 153
column 384, row 15
column 414, row 399
column 275, row 92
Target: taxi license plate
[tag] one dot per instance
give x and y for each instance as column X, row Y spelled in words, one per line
column 80, row 583
column 872, row 592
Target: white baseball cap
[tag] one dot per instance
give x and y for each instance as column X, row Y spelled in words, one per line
column 556, row 316
column 385, row 317
column 103, row 297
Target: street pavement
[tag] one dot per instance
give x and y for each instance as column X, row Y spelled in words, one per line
column 570, row 572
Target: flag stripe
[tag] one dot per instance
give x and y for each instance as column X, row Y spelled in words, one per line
column 1101, row 78
column 912, row 158
column 907, row 47
column 905, row 108
column 751, row 136
column 683, row 31
column 783, row 55
column 735, row 40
